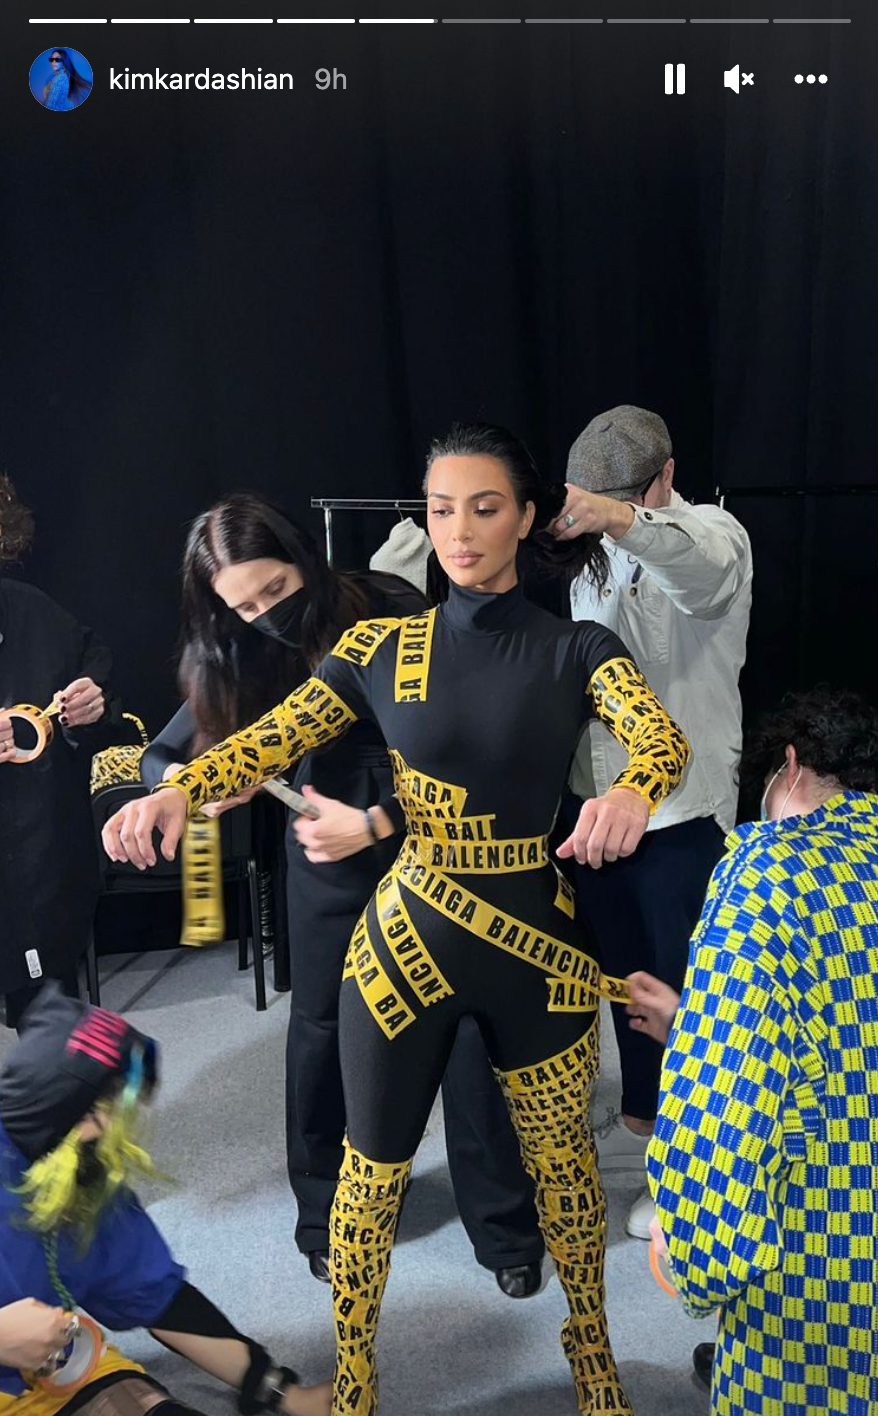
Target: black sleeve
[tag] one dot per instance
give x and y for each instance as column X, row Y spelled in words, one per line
column 172, row 744
column 597, row 646
column 191, row 1312
column 95, row 661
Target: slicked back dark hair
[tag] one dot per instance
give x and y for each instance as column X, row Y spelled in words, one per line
column 540, row 554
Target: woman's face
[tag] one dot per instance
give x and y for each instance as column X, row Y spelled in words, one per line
column 475, row 522
column 57, row 63
column 252, row 587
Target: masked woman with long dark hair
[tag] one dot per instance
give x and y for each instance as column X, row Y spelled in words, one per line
column 66, row 88
column 481, row 702
column 261, row 608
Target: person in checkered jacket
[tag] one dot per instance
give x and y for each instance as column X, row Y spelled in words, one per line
column 764, row 1162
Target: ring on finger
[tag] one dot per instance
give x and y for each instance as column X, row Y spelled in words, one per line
column 569, row 520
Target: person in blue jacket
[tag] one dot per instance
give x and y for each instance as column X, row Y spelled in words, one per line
column 72, row 1231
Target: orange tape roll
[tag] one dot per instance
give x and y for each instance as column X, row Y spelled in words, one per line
column 86, row 1350
column 661, row 1270
column 39, row 722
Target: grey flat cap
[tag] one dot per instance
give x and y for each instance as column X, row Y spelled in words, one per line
column 619, row 451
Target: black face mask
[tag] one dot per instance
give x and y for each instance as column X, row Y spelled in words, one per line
column 284, row 620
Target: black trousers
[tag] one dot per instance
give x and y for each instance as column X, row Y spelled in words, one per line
column 494, row 1194
column 642, row 911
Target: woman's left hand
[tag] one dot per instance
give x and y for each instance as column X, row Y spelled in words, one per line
column 609, row 826
column 82, row 703
column 339, row 831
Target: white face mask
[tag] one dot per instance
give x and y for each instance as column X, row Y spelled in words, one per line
column 764, row 812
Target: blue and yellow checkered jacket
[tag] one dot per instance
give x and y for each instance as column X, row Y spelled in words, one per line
column 764, row 1163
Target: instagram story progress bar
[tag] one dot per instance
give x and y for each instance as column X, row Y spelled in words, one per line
column 675, row 74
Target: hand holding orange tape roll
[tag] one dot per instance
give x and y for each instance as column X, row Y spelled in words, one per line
column 39, row 722
column 71, row 1369
column 661, row 1269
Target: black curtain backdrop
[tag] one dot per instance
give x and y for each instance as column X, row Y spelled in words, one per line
column 293, row 292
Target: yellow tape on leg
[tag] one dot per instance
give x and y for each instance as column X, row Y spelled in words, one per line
column 548, row 1104
column 362, row 1227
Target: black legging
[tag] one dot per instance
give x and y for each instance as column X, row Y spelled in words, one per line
column 541, row 1032
column 493, row 1192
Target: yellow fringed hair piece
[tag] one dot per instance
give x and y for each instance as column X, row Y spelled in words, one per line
column 54, row 1193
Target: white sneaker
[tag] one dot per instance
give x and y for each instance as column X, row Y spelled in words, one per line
column 640, row 1217
column 618, row 1147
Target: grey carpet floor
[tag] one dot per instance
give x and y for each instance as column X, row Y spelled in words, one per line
column 450, row 1342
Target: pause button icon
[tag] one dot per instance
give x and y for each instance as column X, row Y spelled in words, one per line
column 675, row 78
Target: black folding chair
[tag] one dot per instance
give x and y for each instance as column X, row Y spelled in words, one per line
column 241, row 867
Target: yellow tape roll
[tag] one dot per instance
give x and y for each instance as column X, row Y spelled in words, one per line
column 39, row 722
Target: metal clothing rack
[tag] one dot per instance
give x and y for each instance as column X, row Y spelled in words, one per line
column 330, row 504
column 864, row 489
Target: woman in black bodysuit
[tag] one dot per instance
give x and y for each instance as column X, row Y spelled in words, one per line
column 261, row 608
column 481, row 703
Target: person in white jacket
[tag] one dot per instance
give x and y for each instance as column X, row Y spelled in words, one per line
column 679, row 596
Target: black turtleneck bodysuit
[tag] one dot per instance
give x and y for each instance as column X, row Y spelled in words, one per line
column 324, row 901
column 481, row 703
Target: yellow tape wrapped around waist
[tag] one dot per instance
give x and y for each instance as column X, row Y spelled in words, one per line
column 500, row 857
column 565, row 897
column 504, row 931
column 443, row 828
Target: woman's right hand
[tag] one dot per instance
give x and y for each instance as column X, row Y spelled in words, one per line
column 127, row 836
column 31, row 1333
column 653, row 1006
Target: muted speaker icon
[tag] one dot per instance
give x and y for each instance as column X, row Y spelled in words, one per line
column 733, row 79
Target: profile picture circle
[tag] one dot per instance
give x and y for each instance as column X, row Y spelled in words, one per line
column 61, row 78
